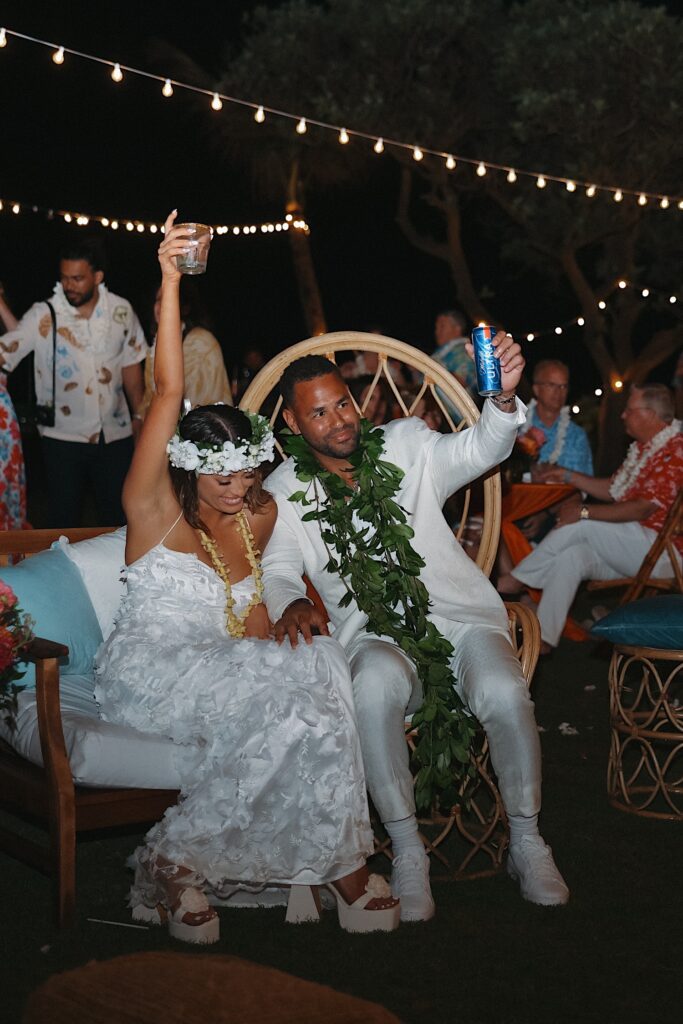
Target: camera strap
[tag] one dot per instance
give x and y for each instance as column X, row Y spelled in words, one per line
column 54, row 351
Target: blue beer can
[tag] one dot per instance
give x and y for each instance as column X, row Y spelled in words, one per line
column 489, row 380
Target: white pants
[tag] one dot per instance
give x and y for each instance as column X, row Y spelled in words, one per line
column 489, row 678
column 587, row 550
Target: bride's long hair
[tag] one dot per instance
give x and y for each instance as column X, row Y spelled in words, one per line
column 213, row 424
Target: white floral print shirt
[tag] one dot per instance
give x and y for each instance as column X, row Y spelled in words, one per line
column 91, row 353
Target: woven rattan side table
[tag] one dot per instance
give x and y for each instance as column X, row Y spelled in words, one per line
column 645, row 770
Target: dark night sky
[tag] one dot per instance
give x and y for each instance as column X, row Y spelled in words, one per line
column 73, row 140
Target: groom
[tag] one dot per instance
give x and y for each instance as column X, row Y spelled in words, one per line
column 464, row 607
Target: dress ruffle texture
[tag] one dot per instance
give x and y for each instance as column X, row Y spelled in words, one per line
column 272, row 782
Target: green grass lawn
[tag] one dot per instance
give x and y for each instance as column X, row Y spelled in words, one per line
column 611, row 956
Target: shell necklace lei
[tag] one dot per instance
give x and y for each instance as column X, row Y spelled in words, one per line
column 636, row 459
column 236, row 625
column 562, row 427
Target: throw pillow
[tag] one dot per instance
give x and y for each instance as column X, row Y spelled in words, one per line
column 652, row 622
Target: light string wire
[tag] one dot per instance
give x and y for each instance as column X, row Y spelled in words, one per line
column 136, row 225
column 542, row 178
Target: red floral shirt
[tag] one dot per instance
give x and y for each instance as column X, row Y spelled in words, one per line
column 660, row 480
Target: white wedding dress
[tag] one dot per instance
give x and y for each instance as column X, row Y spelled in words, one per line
column 273, row 790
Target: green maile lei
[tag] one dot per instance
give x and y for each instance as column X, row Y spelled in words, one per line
column 381, row 572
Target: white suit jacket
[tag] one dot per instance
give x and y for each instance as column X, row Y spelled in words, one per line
column 435, row 466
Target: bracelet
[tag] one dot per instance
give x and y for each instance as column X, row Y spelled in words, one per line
column 503, row 401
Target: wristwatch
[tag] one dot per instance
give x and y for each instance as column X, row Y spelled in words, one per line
column 584, row 512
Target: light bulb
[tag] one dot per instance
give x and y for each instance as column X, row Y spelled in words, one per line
column 140, row 228
column 642, row 199
column 618, row 196
column 590, row 191
column 153, row 229
column 571, row 186
column 130, row 226
column 301, row 127
column 530, row 337
column 680, row 205
column 3, row 37
column 598, row 392
column 481, row 170
column 104, row 222
column 379, row 146
column 664, row 203
column 16, row 208
column 417, row 153
column 512, row 177
column 558, row 330
column 622, row 283
column 260, row 115
column 540, row 181
column 216, row 102
column 450, row 162
column 117, row 73
column 67, row 218
column 602, row 304
column 115, row 225
column 58, row 55
column 618, row 384
column 167, row 89
column 580, row 321
column 672, row 299
column 575, row 409
column 343, row 137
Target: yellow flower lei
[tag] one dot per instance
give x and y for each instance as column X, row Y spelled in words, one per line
column 236, row 625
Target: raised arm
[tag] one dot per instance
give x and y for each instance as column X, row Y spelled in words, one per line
column 6, row 315
column 148, row 497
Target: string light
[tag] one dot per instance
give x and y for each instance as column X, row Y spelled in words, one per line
column 482, row 167
column 621, row 284
column 558, row 330
column 417, row 153
column 450, row 162
column 343, row 137
column 580, row 321
column 602, row 304
column 598, row 392
column 576, row 409
column 530, row 337
column 672, row 299
column 379, row 146
column 140, row 226
column 618, row 384
column 645, row 292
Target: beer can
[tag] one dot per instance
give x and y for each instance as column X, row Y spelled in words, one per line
column 486, row 364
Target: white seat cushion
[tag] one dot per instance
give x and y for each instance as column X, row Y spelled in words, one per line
column 101, row 753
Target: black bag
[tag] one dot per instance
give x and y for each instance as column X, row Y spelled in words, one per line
column 43, row 416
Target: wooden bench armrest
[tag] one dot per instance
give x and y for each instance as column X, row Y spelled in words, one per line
column 526, row 636
column 45, row 654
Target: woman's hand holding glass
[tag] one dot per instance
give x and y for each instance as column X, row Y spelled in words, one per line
column 176, row 242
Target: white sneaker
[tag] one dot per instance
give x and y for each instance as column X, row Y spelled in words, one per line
column 410, row 884
column 530, row 862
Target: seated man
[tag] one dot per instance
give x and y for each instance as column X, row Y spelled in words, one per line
column 608, row 541
column 319, row 526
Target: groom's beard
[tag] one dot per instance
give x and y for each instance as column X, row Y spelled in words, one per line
column 338, row 444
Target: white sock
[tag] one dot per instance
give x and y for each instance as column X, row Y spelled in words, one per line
column 521, row 826
column 404, row 835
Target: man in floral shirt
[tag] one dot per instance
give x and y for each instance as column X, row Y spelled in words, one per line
column 98, row 385
column 609, row 540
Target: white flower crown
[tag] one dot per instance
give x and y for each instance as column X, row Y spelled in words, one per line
column 222, row 460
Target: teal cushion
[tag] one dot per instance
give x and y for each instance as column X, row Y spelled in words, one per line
column 49, row 587
column 653, row 622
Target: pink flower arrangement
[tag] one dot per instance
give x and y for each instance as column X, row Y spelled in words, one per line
column 15, row 632
column 530, row 442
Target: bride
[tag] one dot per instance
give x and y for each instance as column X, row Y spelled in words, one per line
column 273, row 790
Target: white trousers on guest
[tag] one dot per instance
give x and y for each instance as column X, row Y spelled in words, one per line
column 489, row 678
column 587, row 550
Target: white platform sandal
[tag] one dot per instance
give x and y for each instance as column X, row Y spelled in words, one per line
column 191, row 901
column 353, row 917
